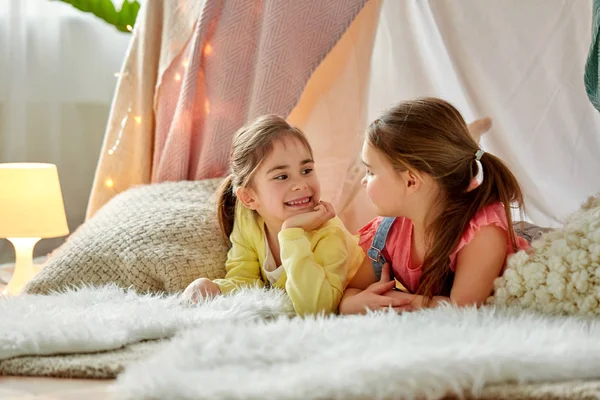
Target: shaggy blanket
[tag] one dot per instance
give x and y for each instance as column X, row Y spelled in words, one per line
column 246, row 345
column 427, row 354
column 108, row 318
column 96, row 365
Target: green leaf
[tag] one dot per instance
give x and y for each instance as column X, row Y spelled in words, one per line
column 123, row 20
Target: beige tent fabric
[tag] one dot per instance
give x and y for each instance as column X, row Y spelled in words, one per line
column 333, row 113
column 240, row 61
column 160, row 35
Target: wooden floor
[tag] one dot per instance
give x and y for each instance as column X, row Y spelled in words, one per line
column 25, row 388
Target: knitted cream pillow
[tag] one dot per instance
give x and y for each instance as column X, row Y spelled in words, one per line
column 155, row 238
column 561, row 273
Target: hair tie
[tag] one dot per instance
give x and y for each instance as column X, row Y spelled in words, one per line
column 478, row 179
column 479, row 154
column 233, row 185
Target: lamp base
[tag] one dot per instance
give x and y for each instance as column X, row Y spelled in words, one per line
column 24, row 268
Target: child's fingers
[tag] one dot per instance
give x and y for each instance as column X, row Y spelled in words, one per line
column 323, row 213
column 329, row 208
column 385, row 273
column 394, row 303
column 382, row 287
column 195, row 297
column 189, row 297
column 326, row 207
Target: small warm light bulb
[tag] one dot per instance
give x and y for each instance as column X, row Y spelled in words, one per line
column 110, row 152
column 177, row 77
column 208, row 49
column 129, row 28
column 109, row 183
column 138, row 119
column 206, row 107
column 185, row 63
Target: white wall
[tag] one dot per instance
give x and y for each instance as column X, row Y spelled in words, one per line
column 57, row 67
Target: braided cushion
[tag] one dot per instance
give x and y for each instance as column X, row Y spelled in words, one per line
column 561, row 273
column 156, row 238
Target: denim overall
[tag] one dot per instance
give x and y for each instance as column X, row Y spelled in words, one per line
column 375, row 251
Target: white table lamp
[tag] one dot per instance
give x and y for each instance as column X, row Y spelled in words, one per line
column 31, row 208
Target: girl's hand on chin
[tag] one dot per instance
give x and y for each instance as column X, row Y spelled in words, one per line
column 309, row 221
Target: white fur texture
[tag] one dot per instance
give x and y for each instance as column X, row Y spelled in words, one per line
column 561, row 274
column 427, row 354
column 95, row 319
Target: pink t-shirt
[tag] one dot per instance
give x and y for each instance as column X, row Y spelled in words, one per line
column 398, row 245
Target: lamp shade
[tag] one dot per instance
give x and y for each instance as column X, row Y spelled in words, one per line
column 31, row 203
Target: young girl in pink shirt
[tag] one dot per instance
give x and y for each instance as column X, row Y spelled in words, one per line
column 445, row 228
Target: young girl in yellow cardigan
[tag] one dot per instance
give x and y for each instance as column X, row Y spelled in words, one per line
column 282, row 235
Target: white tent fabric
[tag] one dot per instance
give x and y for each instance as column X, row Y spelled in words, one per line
column 520, row 62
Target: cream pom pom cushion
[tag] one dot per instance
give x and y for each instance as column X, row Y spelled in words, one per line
column 561, row 272
column 156, row 238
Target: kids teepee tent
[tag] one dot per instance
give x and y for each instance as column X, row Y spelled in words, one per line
column 331, row 67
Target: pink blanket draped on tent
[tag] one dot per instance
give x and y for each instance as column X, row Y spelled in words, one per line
column 239, row 60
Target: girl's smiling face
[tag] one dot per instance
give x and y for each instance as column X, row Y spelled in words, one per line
column 285, row 183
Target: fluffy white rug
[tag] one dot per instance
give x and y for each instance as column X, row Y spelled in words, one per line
column 96, row 319
column 417, row 355
column 244, row 346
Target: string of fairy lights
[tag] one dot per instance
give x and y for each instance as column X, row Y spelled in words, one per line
column 177, row 76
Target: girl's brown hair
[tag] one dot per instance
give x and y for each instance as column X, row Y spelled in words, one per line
column 429, row 135
column 251, row 144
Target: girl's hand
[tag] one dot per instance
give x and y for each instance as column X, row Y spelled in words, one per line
column 376, row 297
column 410, row 298
column 417, row 301
column 200, row 288
column 311, row 220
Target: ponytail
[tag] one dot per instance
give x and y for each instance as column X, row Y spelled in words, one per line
column 499, row 185
column 226, row 201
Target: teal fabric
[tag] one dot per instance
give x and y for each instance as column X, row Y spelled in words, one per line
column 592, row 65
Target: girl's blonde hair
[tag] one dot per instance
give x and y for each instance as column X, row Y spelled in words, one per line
column 430, row 135
column 251, row 144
